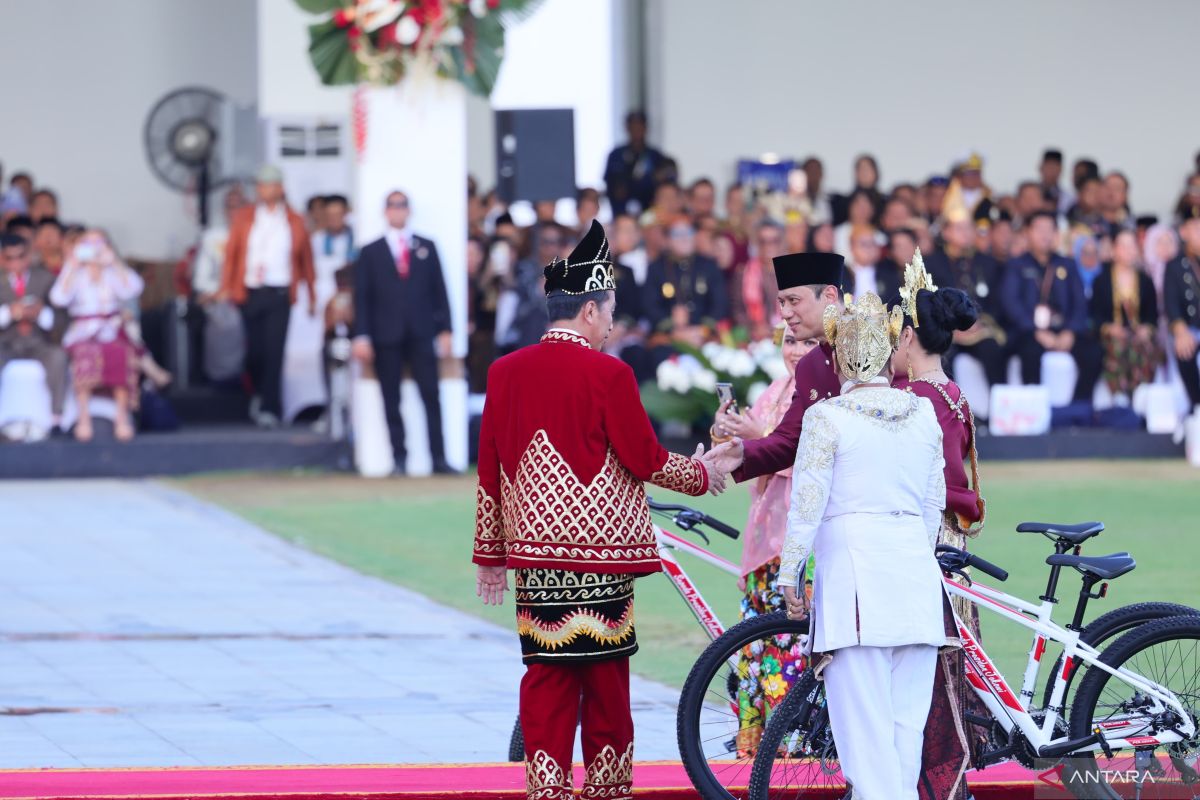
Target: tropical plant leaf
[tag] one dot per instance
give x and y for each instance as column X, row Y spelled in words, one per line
column 663, row 405
column 329, row 48
column 320, row 6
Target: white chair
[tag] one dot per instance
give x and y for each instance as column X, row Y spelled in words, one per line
column 1059, row 375
column 972, row 380
column 25, row 399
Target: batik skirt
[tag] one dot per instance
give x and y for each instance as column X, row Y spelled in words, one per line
column 766, row 668
column 572, row 617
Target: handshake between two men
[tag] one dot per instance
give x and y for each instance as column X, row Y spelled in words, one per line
column 721, row 460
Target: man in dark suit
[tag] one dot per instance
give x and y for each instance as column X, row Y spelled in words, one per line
column 27, row 319
column 684, row 294
column 959, row 266
column 402, row 318
column 1042, row 298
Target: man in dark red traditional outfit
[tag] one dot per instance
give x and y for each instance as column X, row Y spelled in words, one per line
column 563, row 450
column 808, row 282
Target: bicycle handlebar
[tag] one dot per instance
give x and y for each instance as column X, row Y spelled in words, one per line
column 688, row 518
column 952, row 559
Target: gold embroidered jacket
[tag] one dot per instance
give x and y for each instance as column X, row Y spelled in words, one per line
column 564, row 447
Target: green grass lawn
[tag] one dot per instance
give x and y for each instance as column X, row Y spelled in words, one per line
column 417, row 533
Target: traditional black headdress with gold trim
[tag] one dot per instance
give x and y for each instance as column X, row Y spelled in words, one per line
column 587, row 269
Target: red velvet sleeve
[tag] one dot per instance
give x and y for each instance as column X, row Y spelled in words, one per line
column 491, row 548
column 815, row 380
column 632, row 438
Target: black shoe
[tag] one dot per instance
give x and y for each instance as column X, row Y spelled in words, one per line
column 398, row 471
column 440, row 467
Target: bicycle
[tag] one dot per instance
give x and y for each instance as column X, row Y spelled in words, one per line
column 1142, row 717
column 707, row 703
column 686, row 519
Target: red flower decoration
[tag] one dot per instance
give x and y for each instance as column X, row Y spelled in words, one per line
column 343, row 17
column 493, row 4
column 352, row 35
column 387, row 35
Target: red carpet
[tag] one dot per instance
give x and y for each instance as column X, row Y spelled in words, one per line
column 652, row 780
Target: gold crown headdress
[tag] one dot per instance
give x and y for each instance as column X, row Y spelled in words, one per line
column 864, row 336
column 915, row 279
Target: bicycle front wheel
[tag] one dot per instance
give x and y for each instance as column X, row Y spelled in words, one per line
column 731, row 690
column 1167, row 653
column 797, row 757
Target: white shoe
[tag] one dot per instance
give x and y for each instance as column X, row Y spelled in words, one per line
column 266, row 420
column 14, row 431
column 35, row 433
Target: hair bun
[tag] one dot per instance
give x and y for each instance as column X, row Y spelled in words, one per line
column 953, row 309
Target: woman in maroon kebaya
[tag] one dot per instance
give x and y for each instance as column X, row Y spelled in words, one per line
column 931, row 317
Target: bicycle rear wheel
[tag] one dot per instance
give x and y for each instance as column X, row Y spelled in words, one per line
column 1165, row 652
column 717, row 726
column 797, row 757
column 1108, row 627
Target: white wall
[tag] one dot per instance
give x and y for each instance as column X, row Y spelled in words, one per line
column 563, row 57
column 77, row 89
column 921, row 84
column 287, row 83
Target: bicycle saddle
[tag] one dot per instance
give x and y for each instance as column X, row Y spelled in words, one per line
column 1113, row 565
column 1075, row 534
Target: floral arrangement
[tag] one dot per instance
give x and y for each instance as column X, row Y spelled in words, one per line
column 378, row 41
column 685, row 384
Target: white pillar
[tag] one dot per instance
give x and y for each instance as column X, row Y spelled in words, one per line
column 416, row 141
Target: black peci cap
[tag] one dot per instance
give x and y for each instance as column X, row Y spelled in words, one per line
column 807, row 269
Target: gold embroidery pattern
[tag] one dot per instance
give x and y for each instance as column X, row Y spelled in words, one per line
column 680, row 474
column 609, row 775
column 545, row 779
column 550, row 515
column 552, row 636
column 810, row 502
column 489, row 533
column 819, row 440
column 565, row 336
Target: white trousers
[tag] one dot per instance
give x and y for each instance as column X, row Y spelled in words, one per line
column 879, row 699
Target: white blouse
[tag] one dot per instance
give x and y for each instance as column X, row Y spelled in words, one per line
column 95, row 305
column 868, row 490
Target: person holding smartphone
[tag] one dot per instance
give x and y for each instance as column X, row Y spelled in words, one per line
column 93, row 287
column 762, row 542
column 27, row 319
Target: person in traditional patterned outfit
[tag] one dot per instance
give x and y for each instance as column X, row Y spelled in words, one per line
column 766, row 669
column 868, row 492
column 931, row 317
column 564, row 447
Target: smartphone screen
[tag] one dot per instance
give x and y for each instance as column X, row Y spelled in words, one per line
column 724, row 394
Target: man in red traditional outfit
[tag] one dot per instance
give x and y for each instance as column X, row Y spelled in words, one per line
column 563, row 450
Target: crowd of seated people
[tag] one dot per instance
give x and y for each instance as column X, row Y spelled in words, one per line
column 69, row 305
column 1061, row 263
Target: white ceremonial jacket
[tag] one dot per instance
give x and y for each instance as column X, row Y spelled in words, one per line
column 867, row 497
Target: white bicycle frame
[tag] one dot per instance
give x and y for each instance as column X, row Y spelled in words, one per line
column 993, row 690
column 669, row 542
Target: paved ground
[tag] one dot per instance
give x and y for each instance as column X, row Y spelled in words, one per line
column 140, row 627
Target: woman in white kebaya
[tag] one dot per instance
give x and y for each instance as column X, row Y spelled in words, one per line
column 867, row 498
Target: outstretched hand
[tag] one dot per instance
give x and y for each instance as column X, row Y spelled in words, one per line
column 727, row 456
column 490, row 584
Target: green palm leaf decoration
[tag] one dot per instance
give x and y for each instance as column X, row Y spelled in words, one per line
column 342, row 53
